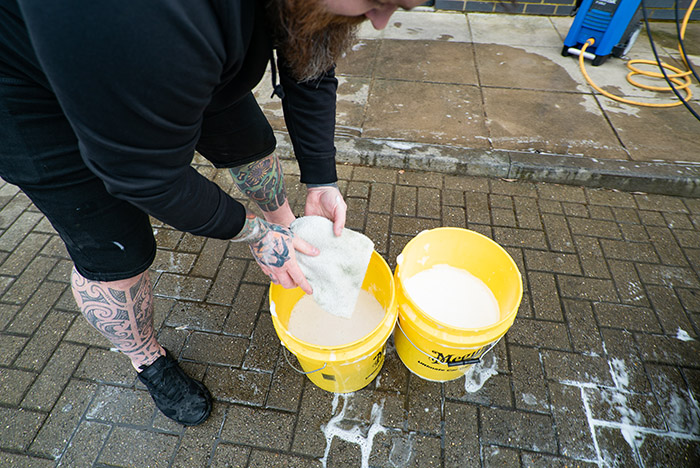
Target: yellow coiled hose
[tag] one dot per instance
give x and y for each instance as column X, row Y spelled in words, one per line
column 680, row 77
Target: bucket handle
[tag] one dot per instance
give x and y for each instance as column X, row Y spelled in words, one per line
column 449, row 364
column 285, row 351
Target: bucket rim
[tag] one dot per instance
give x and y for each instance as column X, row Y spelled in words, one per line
column 510, row 317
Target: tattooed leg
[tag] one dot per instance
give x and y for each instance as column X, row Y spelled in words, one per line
column 262, row 182
column 122, row 311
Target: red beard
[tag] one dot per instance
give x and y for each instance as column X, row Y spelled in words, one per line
column 310, row 38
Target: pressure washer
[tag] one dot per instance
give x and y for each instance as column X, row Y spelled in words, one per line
column 603, row 28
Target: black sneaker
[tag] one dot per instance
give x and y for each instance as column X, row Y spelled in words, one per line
column 178, row 396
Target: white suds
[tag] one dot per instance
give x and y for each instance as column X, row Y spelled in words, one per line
column 683, row 335
column 477, row 375
column 354, row 435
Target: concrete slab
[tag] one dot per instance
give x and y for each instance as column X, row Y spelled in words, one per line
column 549, row 122
column 422, row 25
column 436, row 113
column 418, row 60
column 513, row 30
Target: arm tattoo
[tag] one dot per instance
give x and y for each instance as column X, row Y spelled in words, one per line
column 262, row 182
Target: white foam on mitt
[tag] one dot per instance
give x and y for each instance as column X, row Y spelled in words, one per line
column 336, row 274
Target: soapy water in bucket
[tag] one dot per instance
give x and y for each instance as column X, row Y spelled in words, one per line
column 310, row 323
column 453, row 296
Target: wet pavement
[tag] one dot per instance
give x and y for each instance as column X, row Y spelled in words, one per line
column 600, row 368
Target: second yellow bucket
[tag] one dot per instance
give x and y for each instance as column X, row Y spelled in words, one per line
column 437, row 351
column 350, row 367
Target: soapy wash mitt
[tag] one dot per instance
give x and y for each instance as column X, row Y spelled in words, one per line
column 336, row 274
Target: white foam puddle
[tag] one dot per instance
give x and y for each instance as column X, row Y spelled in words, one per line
column 355, row 435
column 683, row 335
column 479, row 373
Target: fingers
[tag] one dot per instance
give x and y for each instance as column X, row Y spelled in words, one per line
column 340, row 215
column 300, row 245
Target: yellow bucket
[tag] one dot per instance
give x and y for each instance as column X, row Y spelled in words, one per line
column 437, row 351
column 349, row 367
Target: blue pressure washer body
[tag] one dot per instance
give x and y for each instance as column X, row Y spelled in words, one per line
column 613, row 24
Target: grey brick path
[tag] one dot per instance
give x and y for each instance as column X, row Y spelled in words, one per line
column 601, row 367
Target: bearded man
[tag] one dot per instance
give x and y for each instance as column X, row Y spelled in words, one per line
column 102, row 105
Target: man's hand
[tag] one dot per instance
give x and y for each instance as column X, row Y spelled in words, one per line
column 273, row 248
column 327, row 201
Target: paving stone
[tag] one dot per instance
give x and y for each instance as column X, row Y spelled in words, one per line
column 344, row 454
column 614, row 449
column 64, row 419
column 570, row 417
column 14, row 383
column 668, row 276
column 503, row 217
column 261, row 459
column 377, row 229
column 18, row 427
column 558, row 235
column 26, row 284
column 545, row 298
column 237, row 386
column 364, row 405
column 228, row 455
column 191, row 243
column 626, row 317
column 85, row 445
column 412, row 226
column 667, row 350
column 478, row 208
column 49, row 384
column 257, row 427
column 583, row 327
column 264, row 346
column 576, row 210
column 539, row 333
column 39, row 348
column 395, row 449
column 32, row 314
column 495, row 456
column 198, row 442
column 119, row 405
column 690, row 298
column 245, row 308
column 182, row 287
column 591, row 257
column 611, row 198
column 155, row 449
column 23, row 254
column 529, row 387
column 601, row 212
column 461, row 435
column 12, row 210
column 104, row 366
column 25, row 461
column 197, row 316
column 424, row 405
column 669, row 310
column 10, row 346
column 173, row 262
column 405, row 200
column 315, row 411
column 393, row 377
column 61, row 273
column 517, row 429
column 82, row 332
column 527, row 214
column 623, row 407
column 570, row 367
column 680, row 412
column 18, row 230
column 596, row 228
column 355, row 219
column 669, row 451
column 660, row 203
column 624, row 360
column 538, row 460
column 209, row 258
column 285, row 388
column 520, row 237
column 635, row 252
column 428, row 203
column 552, row 262
column 627, row 283
column 215, row 348
column 591, row 289
column 550, row 207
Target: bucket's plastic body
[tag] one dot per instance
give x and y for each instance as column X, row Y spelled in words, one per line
column 435, row 350
column 350, row 367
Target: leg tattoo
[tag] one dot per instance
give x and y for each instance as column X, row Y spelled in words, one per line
column 262, row 182
column 122, row 311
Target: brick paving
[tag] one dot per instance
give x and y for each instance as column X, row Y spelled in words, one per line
column 599, row 369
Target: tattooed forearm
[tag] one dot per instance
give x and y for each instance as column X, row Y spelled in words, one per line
column 123, row 316
column 262, row 182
